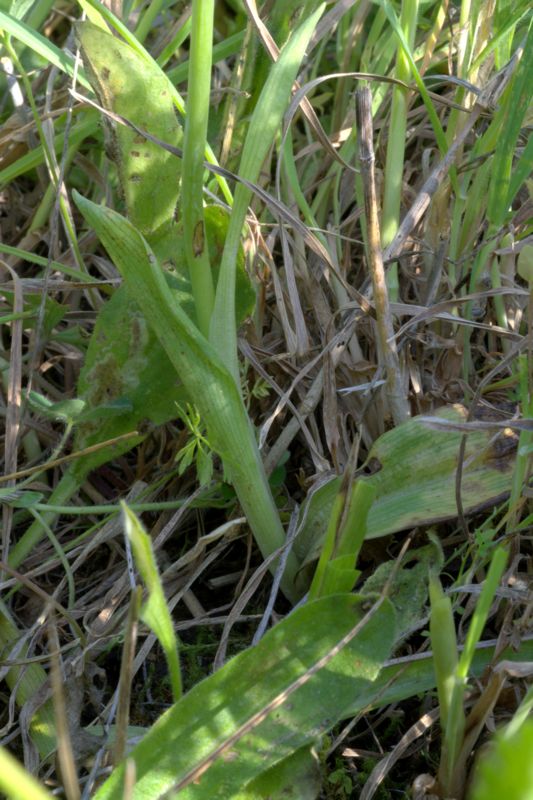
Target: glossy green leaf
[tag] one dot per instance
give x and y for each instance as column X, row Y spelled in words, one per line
column 221, row 711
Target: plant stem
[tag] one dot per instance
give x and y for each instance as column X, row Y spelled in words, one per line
column 388, row 354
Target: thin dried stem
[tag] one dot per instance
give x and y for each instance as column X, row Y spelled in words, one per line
column 387, row 352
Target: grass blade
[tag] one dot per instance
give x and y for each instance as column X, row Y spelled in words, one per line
column 155, row 612
column 264, row 126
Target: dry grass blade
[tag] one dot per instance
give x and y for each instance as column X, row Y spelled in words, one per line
column 486, row 101
column 13, row 411
column 126, row 675
column 388, row 354
column 383, row 767
column 64, row 744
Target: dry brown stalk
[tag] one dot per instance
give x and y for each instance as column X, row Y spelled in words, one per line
column 387, row 351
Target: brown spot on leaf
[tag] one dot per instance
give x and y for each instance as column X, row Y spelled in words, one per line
column 502, row 450
column 105, row 73
column 198, row 239
column 135, row 178
column 135, row 154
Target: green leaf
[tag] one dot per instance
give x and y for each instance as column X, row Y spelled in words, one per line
column 296, row 777
column 168, row 247
column 155, row 611
column 335, row 570
column 134, row 87
column 407, row 585
column 221, row 718
column 65, row 410
column 17, row 783
column 209, row 385
column 18, row 499
column 506, row 770
column 127, row 380
column 414, row 474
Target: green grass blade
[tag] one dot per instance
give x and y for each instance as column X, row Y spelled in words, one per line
column 432, row 113
column 517, row 102
column 155, row 612
column 483, row 604
column 17, row 783
column 392, row 193
column 264, row 126
column 40, row 45
column 194, row 143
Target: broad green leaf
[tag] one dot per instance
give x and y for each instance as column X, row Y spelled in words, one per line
column 155, row 611
column 221, row 710
column 414, row 471
column 207, row 382
column 133, row 87
column 127, row 380
column 408, row 585
column 411, row 677
column 297, row 777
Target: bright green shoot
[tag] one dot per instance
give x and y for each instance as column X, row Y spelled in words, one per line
column 336, row 570
column 155, row 612
column 452, row 670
